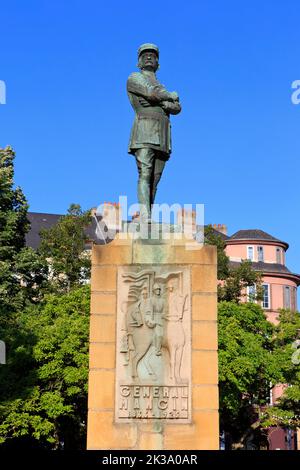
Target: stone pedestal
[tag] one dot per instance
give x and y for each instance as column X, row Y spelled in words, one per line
column 153, row 380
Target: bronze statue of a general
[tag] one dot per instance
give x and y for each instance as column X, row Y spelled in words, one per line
column 150, row 139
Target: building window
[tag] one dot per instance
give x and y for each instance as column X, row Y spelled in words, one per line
column 260, row 253
column 251, row 293
column 266, row 296
column 286, row 297
column 294, row 299
column 278, row 256
column 250, row 253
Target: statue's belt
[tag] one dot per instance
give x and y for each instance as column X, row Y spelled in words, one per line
column 142, row 114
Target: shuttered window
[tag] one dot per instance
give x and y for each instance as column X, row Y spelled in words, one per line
column 266, row 296
column 260, row 253
column 250, row 253
column 286, row 297
column 278, row 256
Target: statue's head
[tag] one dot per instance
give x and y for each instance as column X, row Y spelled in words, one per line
column 173, row 285
column 156, row 289
column 148, row 55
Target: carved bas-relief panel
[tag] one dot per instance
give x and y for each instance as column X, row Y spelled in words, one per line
column 153, row 373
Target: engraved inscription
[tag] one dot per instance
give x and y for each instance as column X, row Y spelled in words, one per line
column 149, row 401
column 153, row 344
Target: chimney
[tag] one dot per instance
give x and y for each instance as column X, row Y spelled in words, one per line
column 222, row 228
column 187, row 219
column 111, row 215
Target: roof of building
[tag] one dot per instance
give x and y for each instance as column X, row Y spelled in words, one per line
column 255, row 234
column 220, row 234
column 265, row 267
column 270, row 268
column 38, row 221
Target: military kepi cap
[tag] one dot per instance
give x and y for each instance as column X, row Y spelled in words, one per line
column 148, row 47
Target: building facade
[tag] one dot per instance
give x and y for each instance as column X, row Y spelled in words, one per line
column 268, row 255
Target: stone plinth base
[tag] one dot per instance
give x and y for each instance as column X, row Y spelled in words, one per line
column 153, row 380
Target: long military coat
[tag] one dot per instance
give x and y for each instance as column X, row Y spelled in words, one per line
column 152, row 104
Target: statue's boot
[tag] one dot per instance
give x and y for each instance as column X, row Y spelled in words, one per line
column 144, row 200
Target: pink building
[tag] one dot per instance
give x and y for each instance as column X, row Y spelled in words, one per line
column 280, row 291
column 268, row 256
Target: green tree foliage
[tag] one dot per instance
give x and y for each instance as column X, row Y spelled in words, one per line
column 246, row 365
column 13, row 208
column 234, row 280
column 44, row 384
column 286, row 411
column 43, row 391
column 213, row 238
column 63, row 246
column 234, row 287
column 22, row 271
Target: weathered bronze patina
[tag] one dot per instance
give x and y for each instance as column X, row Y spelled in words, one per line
column 150, row 140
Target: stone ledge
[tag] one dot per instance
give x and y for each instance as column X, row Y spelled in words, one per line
column 112, row 254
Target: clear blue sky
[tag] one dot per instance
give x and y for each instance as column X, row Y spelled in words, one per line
column 236, row 142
